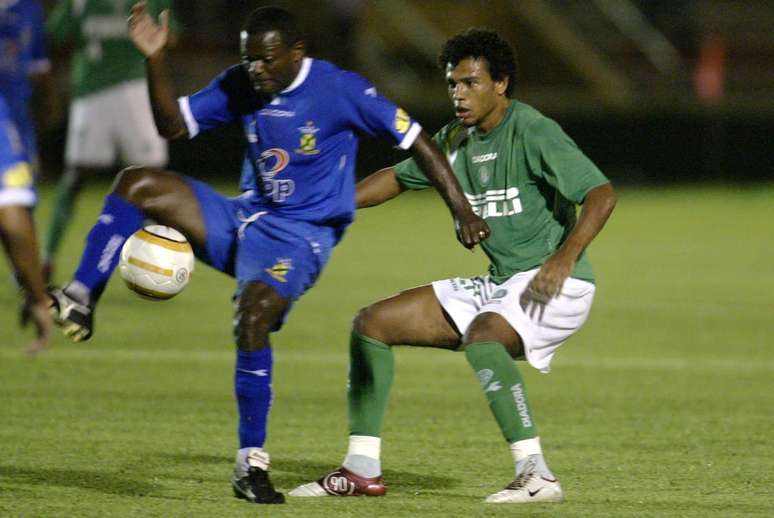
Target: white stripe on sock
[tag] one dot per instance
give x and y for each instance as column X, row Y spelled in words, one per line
column 525, row 448
column 365, row 445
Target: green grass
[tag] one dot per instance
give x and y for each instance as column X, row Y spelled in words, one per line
column 661, row 406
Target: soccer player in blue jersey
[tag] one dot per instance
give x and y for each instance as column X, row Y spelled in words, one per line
column 299, row 116
column 23, row 57
column 17, row 229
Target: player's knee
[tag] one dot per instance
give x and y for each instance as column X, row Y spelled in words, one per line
column 491, row 327
column 370, row 322
column 136, row 184
column 251, row 330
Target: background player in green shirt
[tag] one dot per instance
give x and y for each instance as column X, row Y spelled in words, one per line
column 524, row 175
column 110, row 121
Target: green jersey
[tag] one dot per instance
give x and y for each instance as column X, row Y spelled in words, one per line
column 524, row 177
column 103, row 55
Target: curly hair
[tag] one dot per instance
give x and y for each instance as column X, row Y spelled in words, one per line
column 271, row 18
column 481, row 43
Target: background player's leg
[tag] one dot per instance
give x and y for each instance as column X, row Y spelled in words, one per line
column 67, row 191
column 259, row 309
column 490, row 345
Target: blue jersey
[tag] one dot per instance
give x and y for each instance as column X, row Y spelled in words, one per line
column 16, row 181
column 22, row 48
column 301, row 143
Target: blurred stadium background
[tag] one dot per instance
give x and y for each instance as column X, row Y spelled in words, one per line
column 652, row 90
column 660, row 406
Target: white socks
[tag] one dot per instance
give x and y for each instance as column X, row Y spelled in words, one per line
column 363, row 456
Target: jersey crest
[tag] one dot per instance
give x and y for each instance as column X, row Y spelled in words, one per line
column 307, row 144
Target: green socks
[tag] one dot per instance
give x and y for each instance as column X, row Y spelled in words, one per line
column 504, row 389
column 371, row 370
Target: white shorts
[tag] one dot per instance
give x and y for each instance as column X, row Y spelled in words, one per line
column 465, row 298
column 114, row 126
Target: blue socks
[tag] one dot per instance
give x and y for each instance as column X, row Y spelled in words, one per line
column 119, row 220
column 252, row 384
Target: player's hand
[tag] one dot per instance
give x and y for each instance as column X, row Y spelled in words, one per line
column 471, row 229
column 148, row 36
column 545, row 285
column 44, row 326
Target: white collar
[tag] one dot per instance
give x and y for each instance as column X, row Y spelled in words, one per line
column 306, row 65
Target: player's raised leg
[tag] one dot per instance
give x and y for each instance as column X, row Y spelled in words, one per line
column 137, row 194
column 413, row 317
column 490, row 345
column 259, row 309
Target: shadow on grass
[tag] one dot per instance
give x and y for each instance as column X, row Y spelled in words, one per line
column 109, row 483
column 196, row 458
column 289, row 473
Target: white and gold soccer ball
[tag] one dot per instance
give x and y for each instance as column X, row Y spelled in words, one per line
column 156, row 262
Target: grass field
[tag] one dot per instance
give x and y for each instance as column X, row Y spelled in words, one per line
column 663, row 405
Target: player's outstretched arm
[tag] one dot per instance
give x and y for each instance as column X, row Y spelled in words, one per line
column 151, row 39
column 597, row 207
column 17, row 231
column 471, row 228
column 378, row 188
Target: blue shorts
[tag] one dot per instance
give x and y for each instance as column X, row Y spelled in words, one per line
column 245, row 240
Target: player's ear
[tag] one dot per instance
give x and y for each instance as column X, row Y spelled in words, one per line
column 501, row 86
column 298, row 51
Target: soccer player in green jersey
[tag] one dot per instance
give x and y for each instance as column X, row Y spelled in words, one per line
column 524, row 175
column 110, row 121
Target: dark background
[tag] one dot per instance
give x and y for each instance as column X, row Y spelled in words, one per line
column 653, row 91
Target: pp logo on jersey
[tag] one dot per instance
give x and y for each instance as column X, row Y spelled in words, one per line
column 272, row 161
column 402, row 121
column 18, row 176
column 307, row 145
column 280, row 270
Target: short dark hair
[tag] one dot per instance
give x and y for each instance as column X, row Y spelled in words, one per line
column 481, row 43
column 271, row 18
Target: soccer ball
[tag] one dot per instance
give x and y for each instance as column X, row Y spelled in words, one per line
column 156, row 262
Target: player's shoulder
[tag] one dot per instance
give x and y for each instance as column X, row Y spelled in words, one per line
column 336, row 77
column 528, row 119
column 452, row 136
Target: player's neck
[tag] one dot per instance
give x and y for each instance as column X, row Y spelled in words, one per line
column 494, row 117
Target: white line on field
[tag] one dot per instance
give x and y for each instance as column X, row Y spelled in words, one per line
column 327, row 357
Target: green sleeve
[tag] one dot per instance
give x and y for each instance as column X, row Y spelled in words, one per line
column 61, row 25
column 410, row 175
column 561, row 163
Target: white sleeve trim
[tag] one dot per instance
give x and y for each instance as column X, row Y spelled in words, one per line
column 18, row 196
column 190, row 121
column 411, row 136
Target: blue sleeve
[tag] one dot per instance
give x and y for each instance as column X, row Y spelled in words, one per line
column 16, row 180
column 11, row 148
column 38, row 53
column 38, row 50
column 368, row 111
column 224, row 100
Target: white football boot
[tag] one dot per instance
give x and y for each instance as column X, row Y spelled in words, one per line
column 528, row 487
